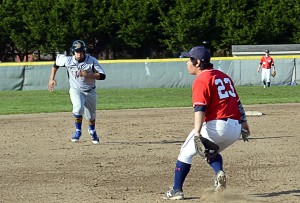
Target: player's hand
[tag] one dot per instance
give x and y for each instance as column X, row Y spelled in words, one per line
column 258, row 70
column 84, row 73
column 51, row 85
column 245, row 131
column 246, row 126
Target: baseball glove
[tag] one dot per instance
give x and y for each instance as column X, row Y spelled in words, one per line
column 245, row 135
column 274, row 73
column 206, row 148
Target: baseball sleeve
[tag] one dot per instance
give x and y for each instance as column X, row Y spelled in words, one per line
column 98, row 67
column 60, row 60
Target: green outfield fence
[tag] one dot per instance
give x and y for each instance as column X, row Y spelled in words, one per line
column 149, row 73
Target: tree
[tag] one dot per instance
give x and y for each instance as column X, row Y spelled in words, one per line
column 137, row 22
column 6, row 51
column 140, row 29
column 103, row 29
column 14, row 26
column 187, row 24
column 233, row 23
column 276, row 21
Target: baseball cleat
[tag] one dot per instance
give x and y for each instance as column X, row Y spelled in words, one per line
column 220, row 181
column 95, row 138
column 174, row 195
column 76, row 136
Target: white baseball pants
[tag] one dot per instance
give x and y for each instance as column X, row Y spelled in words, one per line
column 223, row 133
column 84, row 103
column 266, row 74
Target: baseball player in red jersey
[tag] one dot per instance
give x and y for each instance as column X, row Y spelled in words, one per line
column 266, row 62
column 218, row 119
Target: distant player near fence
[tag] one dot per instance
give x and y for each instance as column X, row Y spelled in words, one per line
column 266, row 63
column 83, row 71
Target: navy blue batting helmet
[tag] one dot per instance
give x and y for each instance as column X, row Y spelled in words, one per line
column 78, row 45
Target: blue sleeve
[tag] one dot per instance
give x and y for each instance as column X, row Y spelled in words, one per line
column 200, row 108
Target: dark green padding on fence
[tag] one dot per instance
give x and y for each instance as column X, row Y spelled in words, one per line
column 152, row 73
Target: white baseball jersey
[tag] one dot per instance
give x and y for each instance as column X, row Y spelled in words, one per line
column 90, row 64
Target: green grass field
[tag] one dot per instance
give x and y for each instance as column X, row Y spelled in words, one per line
column 38, row 101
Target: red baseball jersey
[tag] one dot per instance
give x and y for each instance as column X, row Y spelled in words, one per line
column 267, row 62
column 216, row 90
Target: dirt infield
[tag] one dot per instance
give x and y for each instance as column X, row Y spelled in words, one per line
column 136, row 158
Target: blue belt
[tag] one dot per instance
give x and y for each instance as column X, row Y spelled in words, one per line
column 90, row 89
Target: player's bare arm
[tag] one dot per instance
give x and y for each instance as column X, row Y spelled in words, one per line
column 199, row 119
column 52, row 81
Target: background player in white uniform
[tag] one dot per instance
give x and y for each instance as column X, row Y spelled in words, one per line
column 83, row 71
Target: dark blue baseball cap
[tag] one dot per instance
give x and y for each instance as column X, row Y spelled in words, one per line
column 198, row 52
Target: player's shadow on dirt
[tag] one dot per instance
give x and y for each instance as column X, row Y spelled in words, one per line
column 274, row 194
column 182, row 141
column 156, row 142
column 263, row 138
column 191, row 198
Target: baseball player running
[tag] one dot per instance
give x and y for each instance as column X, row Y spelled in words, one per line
column 218, row 119
column 83, row 71
column 266, row 62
